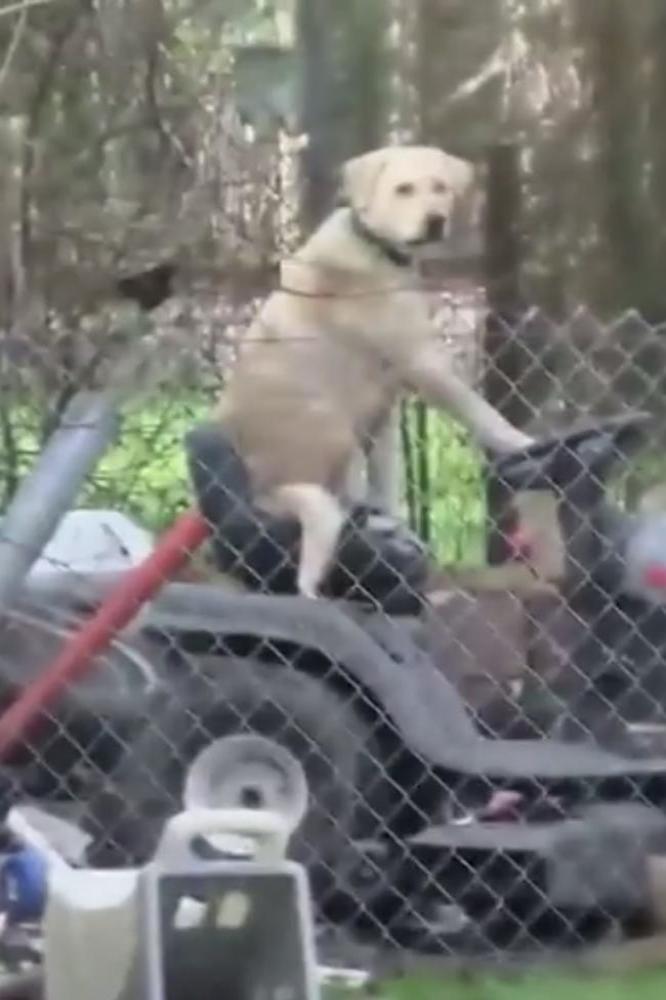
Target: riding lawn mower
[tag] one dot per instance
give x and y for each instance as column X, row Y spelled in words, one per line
column 420, row 828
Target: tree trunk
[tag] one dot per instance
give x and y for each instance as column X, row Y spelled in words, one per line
column 344, row 70
column 611, row 32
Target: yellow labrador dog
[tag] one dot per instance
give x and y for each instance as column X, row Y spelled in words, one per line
column 347, row 334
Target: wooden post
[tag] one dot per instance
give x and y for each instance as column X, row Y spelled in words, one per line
column 505, row 358
column 317, row 118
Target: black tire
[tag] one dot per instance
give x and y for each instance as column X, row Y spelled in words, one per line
column 93, row 718
column 349, row 791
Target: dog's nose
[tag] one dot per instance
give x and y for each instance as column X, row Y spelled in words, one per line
column 435, row 226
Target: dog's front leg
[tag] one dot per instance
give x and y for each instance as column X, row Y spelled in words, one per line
column 429, row 374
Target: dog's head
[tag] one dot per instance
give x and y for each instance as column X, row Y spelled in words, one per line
column 406, row 195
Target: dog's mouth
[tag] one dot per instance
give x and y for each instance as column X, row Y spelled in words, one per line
column 424, row 241
column 434, row 231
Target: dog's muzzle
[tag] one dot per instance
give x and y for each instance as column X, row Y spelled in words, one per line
column 434, row 231
column 435, row 228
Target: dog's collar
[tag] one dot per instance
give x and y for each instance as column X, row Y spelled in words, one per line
column 396, row 257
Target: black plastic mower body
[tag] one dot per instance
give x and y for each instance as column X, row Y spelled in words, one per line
column 583, row 808
column 614, row 581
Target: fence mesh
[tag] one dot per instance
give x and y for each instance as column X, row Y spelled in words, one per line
column 482, row 743
column 477, row 698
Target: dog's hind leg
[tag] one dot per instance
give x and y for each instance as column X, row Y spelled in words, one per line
column 322, row 517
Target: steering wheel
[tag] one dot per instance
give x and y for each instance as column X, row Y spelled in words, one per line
column 556, row 459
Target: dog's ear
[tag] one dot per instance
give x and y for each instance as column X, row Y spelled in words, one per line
column 458, row 174
column 466, row 218
column 360, row 176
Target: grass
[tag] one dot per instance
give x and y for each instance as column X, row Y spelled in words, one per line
column 533, row 986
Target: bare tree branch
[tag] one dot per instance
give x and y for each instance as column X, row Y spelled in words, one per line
column 35, row 110
column 15, row 8
column 14, row 43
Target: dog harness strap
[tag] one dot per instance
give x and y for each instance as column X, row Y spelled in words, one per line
column 395, row 256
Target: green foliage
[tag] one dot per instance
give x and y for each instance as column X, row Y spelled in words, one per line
column 145, row 475
column 445, row 500
column 457, row 504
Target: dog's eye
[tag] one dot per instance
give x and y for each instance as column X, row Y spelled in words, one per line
column 439, row 187
column 404, row 189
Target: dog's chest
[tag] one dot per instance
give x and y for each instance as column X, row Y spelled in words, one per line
column 351, row 365
column 307, row 382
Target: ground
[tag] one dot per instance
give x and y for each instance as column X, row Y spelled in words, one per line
column 544, row 986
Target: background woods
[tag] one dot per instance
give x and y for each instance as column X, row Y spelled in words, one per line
column 207, row 134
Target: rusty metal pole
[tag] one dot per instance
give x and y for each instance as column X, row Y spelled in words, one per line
column 85, row 431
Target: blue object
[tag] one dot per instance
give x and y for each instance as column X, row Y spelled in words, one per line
column 23, row 886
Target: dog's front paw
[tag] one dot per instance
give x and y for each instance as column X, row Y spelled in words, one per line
column 309, row 590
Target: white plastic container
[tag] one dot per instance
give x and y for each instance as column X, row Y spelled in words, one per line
column 183, row 927
column 94, row 541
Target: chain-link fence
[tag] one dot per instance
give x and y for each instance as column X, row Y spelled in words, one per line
column 482, row 743
column 477, row 696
